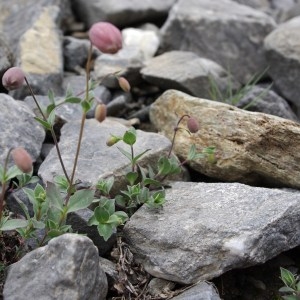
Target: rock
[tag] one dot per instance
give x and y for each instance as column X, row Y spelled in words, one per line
column 282, row 53
column 264, row 100
column 117, row 12
column 185, row 71
column 6, row 59
column 67, row 268
column 216, row 30
column 75, row 54
column 34, row 35
column 201, row 291
column 206, row 229
column 18, row 128
column 96, row 159
column 158, row 287
column 252, row 148
column 79, row 222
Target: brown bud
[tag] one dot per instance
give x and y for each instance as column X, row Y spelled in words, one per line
column 22, row 159
column 192, row 125
column 100, row 112
column 124, row 84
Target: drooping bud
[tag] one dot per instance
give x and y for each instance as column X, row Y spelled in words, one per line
column 113, row 140
column 192, row 125
column 13, row 78
column 100, row 112
column 124, row 84
column 22, row 159
column 106, row 37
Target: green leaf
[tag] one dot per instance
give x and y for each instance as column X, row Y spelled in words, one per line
column 129, row 136
column 108, row 204
column 69, row 92
column 122, row 216
column 62, row 182
column 1, row 173
column 45, row 124
column 86, row 106
column 125, row 153
column 291, row 297
column 136, row 158
column 106, row 230
column 12, row 172
column 23, row 207
column 92, row 220
column 73, row 100
column 101, row 215
column 105, row 185
column 54, row 197
column 121, row 201
column 51, row 118
column 81, row 199
column 50, row 108
column 14, row 224
column 286, row 289
column 287, row 277
column 148, row 181
column 51, row 96
column 38, row 224
column 131, row 177
column 114, row 220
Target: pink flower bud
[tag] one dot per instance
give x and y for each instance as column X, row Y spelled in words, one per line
column 22, row 159
column 106, row 37
column 100, row 112
column 192, row 125
column 13, row 78
column 124, row 84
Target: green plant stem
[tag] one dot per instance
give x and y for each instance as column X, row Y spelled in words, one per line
column 51, row 131
column 132, row 158
column 83, row 118
column 3, row 183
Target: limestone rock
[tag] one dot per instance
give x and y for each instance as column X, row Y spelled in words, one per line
column 18, row 128
column 206, row 229
column 251, row 147
column 283, row 55
column 216, row 30
column 67, row 268
column 186, row 71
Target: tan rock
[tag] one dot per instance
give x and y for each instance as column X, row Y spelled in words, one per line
column 251, row 147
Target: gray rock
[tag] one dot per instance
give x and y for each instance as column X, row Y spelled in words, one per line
column 187, row 72
column 6, row 59
column 201, row 291
column 216, row 30
column 283, row 56
column 206, row 229
column 18, row 128
column 67, row 268
column 117, row 12
column 251, row 147
column 96, row 159
column 264, row 100
column 75, row 54
column 79, row 222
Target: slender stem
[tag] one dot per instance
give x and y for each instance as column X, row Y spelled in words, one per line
column 175, row 132
column 51, row 131
column 132, row 158
column 83, row 118
column 3, row 183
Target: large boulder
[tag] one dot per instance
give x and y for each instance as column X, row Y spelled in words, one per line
column 250, row 147
column 224, row 31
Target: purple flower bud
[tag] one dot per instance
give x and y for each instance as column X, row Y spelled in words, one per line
column 13, row 78
column 124, row 84
column 106, row 37
column 100, row 112
column 22, row 159
column 192, row 125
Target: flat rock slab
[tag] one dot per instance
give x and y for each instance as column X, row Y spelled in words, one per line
column 251, row 147
column 206, row 229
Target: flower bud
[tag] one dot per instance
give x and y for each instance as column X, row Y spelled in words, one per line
column 13, row 78
column 100, row 112
column 124, row 84
column 22, row 159
column 192, row 125
column 112, row 140
column 106, row 37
